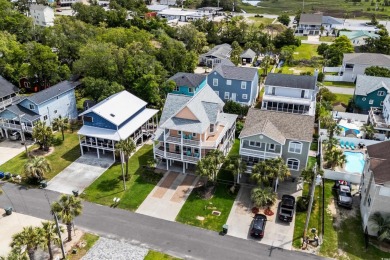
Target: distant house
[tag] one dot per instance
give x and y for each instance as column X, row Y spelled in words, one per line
column 309, row 24
column 329, row 23
column 8, row 93
column 272, row 134
column 358, row 38
column 370, row 92
column 191, row 126
column 248, row 56
column 42, row 15
column 239, row 84
column 215, row 56
column 116, row 118
column 188, row 83
column 290, row 93
column 380, row 117
column 46, row 105
column 375, row 189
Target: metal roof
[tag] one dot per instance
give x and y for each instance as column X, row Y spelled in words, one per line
column 291, row 81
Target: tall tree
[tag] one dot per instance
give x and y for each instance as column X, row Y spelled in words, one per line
column 192, row 38
column 287, row 53
column 49, row 229
column 209, row 165
column 286, row 38
column 37, row 167
column 284, row 19
column 368, row 130
column 235, row 164
column 127, row 147
column 99, row 89
column 271, row 169
column 377, row 71
column 335, row 158
column 31, row 238
column 262, row 197
column 61, row 124
column 67, row 208
column 334, row 53
column 43, row 135
column 236, row 52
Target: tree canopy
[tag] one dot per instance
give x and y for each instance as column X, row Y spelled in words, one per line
column 377, row 71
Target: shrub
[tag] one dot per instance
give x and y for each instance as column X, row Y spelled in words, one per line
column 320, row 77
column 239, row 127
column 303, row 203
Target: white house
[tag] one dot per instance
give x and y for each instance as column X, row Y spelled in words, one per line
column 358, row 38
column 42, row 15
column 309, row 24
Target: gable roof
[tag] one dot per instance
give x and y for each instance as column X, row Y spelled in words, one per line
column 188, row 79
column 220, row 51
column 118, row 107
column 278, row 126
column 238, row 73
column 372, row 59
column 52, row 92
column 25, row 113
column 315, row 19
column 6, row 87
column 331, row 20
column 357, row 34
column 380, row 161
column 291, row 81
column 367, row 84
column 39, row 7
column 249, row 53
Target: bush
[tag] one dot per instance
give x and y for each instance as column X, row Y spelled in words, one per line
column 303, row 203
column 149, row 175
column 320, row 77
column 232, row 107
column 239, row 127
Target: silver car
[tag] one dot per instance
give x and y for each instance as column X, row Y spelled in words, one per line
column 15, row 136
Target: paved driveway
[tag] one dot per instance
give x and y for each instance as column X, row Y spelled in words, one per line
column 80, row 174
column 277, row 233
column 9, row 149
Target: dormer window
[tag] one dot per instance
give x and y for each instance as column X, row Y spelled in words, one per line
column 32, row 106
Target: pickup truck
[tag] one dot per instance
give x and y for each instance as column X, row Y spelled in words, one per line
column 287, row 207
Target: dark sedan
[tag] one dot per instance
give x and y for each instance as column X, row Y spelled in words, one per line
column 258, row 226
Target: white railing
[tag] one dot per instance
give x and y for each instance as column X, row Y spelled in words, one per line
column 100, row 145
column 259, row 154
column 332, row 69
column 333, row 78
column 16, row 127
column 174, row 156
column 8, row 102
column 374, row 117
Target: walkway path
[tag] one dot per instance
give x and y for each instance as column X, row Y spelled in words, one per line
column 168, row 197
column 341, row 90
column 171, row 237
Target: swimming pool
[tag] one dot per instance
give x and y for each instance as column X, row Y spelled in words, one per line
column 346, row 129
column 355, row 162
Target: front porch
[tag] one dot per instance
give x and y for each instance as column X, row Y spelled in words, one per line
column 290, row 105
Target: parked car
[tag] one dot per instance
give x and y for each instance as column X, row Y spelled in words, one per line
column 15, row 136
column 258, row 226
column 344, row 197
column 287, row 208
column 341, row 182
column 257, row 63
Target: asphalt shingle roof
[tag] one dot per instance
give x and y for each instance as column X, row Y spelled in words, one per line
column 314, row 19
column 238, row 73
column 367, row 84
column 278, row 126
column 291, row 81
column 188, row 79
column 6, row 87
column 380, row 161
column 372, row 59
column 248, row 54
column 49, row 93
column 220, row 51
column 21, row 111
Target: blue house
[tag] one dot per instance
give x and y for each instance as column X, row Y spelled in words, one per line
column 46, row 105
column 188, row 83
column 239, row 84
column 118, row 117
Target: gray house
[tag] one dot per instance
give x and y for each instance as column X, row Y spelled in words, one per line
column 215, row 56
column 248, row 56
column 375, row 189
column 290, row 93
column 239, row 84
column 272, row 134
column 309, row 24
column 8, row 93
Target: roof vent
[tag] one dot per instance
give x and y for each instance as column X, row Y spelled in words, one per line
column 112, row 115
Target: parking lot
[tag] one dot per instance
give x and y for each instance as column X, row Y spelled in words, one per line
column 9, row 149
column 277, row 233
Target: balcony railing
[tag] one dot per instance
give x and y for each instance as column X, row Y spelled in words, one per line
column 99, row 144
column 8, row 102
column 11, row 126
column 258, row 154
column 175, row 156
column 377, row 119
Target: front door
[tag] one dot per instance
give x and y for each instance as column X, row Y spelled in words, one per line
column 234, row 96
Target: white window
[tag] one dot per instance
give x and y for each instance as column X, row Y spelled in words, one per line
column 179, row 133
column 381, row 93
column 371, row 102
column 271, row 147
column 243, row 85
column 293, row 164
column 194, row 134
column 253, row 143
column 32, row 106
column 215, row 82
column 211, row 128
column 364, row 99
column 227, row 94
column 244, row 96
column 190, row 90
column 228, row 82
column 295, row 147
column 381, row 103
column 177, row 88
column 45, row 117
column 217, row 92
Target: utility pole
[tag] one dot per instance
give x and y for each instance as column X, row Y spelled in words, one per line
column 313, row 185
column 22, row 135
column 123, row 171
column 218, row 3
column 234, row 3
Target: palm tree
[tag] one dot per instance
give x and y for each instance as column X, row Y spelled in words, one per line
column 209, row 165
column 262, row 197
column 331, row 143
column 308, row 174
column 381, row 223
column 37, row 167
column 61, row 124
column 43, row 134
column 31, row 238
column 235, row 164
column 270, row 169
column 369, row 130
column 335, row 157
column 127, row 147
column 67, row 208
column 50, row 233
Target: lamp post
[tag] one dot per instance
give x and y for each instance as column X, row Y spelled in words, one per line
column 316, row 181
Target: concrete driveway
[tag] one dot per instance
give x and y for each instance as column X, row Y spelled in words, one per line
column 80, row 174
column 277, row 233
column 9, row 149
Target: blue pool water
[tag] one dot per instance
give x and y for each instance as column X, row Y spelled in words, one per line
column 346, row 129
column 355, row 162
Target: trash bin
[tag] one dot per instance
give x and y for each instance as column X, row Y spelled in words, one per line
column 225, row 229
column 43, row 184
column 1, row 175
column 8, row 211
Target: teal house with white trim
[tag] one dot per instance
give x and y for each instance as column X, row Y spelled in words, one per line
column 370, row 92
column 188, row 83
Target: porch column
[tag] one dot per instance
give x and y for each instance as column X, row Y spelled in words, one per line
column 165, row 149
column 113, row 152
column 167, row 162
column 6, row 133
column 154, row 153
column 181, row 146
column 97, row 149
column 184, row 167
column 81, row 147
column 200, row 146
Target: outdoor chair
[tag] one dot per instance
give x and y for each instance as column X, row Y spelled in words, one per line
column 352, row 146
column 347, row 145
column 342, row 144
column 188, row 153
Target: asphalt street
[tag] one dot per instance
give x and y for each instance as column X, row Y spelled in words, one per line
column 170, row 237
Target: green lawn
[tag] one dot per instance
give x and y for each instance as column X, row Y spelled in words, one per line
column 305, row 51
column 339, row 84
column 63, row 155
column 343, row 98
column 302, row 38
column 90, row 240
column 222, row 201
column 154, row 255
column 260, row 20
column 327, row 39
column 294, row 70
column 110, row 184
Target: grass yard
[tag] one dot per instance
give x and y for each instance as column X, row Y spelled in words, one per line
column 327, row 39
column 110, row 184
column 222, row 201
column 260, row 20
column 154, row 255
column 63, row 155
column 90, row 240
column 294, row 70
column 343, row 98
column 302, row 38
column 305, row 51
column 339, row 84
